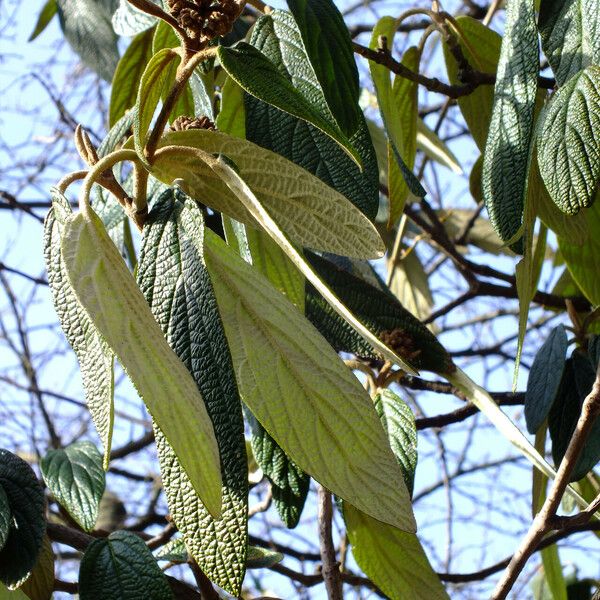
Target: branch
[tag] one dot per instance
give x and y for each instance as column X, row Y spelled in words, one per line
column 330, row 568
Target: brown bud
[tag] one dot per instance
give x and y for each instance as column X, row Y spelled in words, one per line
column 184, row 123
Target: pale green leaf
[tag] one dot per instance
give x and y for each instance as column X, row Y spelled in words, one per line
column 129, row 20
column 231, row 118
column 410, row 284
column 262, row 558
column 324, row 420
column 174, row 551
column 435, row 148
column 116, row 306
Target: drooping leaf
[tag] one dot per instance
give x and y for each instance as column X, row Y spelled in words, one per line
column 481, row 48
column 289, row 484
column 310, row 212
column 129, row 21
column 567, row 29
column 544, row 378
column 93, row 354
column 261, row 558
column 399, row 423
column 392, row 559
column 76, row 479
column 568, row 146
column 277, row 36
column 128, row 76
column 329, row 49
column 109, row 295
column 28, row 523
column 259, row 77
column 40, row 584
column 378, row 310
column 435, row 148
column 46, row 15
column 506, row 156
column 273, row 347
column 121, row 567
column 176, row 284
column 88, row 29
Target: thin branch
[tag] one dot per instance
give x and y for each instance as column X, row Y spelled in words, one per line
column 331, row 567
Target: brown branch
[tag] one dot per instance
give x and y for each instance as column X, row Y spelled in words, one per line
column 331, row 567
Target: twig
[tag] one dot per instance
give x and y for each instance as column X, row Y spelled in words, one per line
column 331, row 567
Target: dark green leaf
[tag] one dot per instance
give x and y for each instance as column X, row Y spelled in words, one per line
column 174, row 280
column 544, row 378
column 258, row 76
column 399, row 423
column 88, row 28
column 46, row 15
column 289, row 484
column 376, row 309
column 121, row 567
column 506, row 157
column 277, row 36
column 5, row 518
column 28, row 523
column 568, row 145
column 329, row 48
column 261, row 558
column 76, row 479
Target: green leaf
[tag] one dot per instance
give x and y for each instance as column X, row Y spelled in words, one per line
column 507, row 150
column 17, row 594
column 380, row 311
column 231, row 118
column 258, row 76
column 109, row 295
column 152, row 85
column 394, row 560
column 277, row 36
column 399, row 423
column 176, row 284
column 27, row 505
column 273, row 347
column 481, row 47
column 568, row 29
column 544, row 378
column 5, row 518
column 435, row 148
column 121, row 567
column 46, row 15
column 568, row 146
column 310, row 212
column 174, row 551
column 88, row 29
column 289, row 483
column 329, row 49
column 128, row 75
column 76, row 479
column 93, row 354
column 129, row 21
column 40, row 584
column 553, row 571
column 261, row 558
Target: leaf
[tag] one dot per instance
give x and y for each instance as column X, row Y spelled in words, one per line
column 46, row 15
column 273, row 347
column 231, row 118
column 40, row 584
column 394, row 560
column 544, row 378
column 435, row 148
column 399, row 423
column 506, row 156
column 109, row 295
column 176, row 284
column 277, row 36
column 88, row 29
column 553, row 572
column 21, row 549
column 380, row 311
column 93, row 354
column 567, row 29
column 6, row 594
column 481, row 47
column 5, row 518
column 121, row 567
column 174, row 551
column 128, row 75
column 259, row 77
column 568, row 148
column 261, row 558
column 329, row 49
column 289, row 484
column 153, row 83
column 76, row 479
column 129, row 21
column 310, row 212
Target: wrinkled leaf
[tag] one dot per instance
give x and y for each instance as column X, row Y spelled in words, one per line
column 129, row 21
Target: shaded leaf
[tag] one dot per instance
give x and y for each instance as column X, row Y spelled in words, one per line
column 40, row 584
column 174, row 551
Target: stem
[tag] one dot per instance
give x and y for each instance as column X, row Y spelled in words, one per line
column 544, row 520
column 67, row 180
column 154, row 10
column 330, row 567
